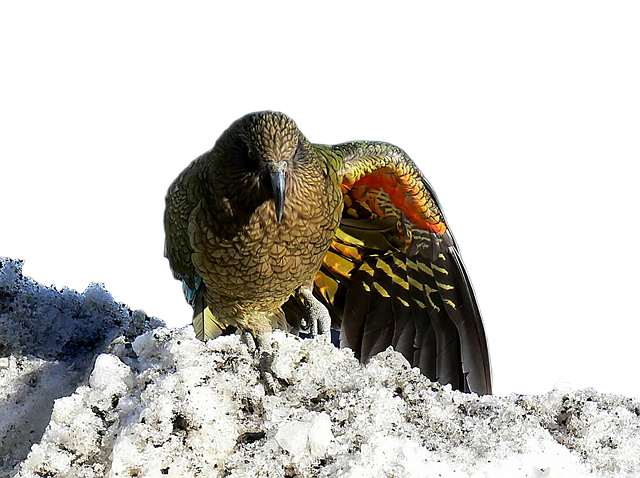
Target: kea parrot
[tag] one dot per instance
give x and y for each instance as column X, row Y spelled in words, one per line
column 268, row 230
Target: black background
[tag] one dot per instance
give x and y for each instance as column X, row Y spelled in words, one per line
column 83, row 190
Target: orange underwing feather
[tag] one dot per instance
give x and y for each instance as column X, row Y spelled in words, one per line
column 404, row 192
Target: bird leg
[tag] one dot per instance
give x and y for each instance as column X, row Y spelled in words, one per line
column 317, row 313
column 260, row 346
column 259, row 341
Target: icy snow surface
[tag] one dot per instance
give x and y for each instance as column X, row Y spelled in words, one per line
column 166, row 404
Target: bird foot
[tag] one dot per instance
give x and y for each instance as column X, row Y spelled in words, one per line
column 261, row 349
column 318, row 315
column 249, row 341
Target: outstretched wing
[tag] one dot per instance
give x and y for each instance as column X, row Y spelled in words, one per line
column 394, row 275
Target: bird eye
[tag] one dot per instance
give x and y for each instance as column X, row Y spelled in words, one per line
column 251, row 154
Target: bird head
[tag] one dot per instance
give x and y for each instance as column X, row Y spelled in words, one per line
column 259, row 150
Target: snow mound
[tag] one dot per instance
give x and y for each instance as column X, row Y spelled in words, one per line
column 166, row 404
column 49, row 339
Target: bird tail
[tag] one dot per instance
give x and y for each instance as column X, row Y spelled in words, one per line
column 207, row 326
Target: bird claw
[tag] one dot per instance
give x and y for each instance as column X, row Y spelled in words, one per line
column 260, row 348
column 266, row 372
column 318, row 315
column 249, row 340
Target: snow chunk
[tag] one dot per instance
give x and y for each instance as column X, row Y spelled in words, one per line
column 110, row 376
column 311, row 435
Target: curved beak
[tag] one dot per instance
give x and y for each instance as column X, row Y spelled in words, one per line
column 278, row 186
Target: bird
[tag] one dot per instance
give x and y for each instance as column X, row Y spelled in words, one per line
column 267, row 230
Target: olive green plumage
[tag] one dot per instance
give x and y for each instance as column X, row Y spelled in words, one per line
column 222, row 227
column 265, row 216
